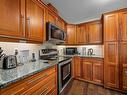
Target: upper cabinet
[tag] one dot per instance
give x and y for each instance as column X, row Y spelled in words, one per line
column 12, row 18
column 71, row 34
column 81, row 34
column 51, row 17
column 111, row 27
column 123, row 25
column 95, row 32
column 89, row 33
column 35, row 21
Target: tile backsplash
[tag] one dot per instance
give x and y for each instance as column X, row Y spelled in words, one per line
column 98, row 49
column 10, row 47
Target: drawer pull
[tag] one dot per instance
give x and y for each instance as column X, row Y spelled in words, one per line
column 37, row 79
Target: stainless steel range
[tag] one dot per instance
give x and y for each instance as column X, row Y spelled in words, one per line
column 64, row 66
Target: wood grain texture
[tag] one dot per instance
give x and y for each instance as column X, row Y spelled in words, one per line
column 111, row 27
column 10, row 17
column 34, row 21
column 111, row 65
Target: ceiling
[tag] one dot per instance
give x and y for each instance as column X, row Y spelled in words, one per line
column 78, row 11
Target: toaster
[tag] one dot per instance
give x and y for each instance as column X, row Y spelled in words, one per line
column 9, row 62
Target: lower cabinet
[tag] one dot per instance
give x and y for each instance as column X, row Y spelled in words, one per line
column 98, row 71
column 43, row 83
column 89, row 69
column 76, row 67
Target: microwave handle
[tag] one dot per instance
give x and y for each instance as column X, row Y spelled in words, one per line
column 65, row 36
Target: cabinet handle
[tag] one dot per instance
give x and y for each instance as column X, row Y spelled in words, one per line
column 28, row 26
column 37, row 79
column 23, row 24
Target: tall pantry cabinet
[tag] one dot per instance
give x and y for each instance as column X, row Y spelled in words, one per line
column 115, row 41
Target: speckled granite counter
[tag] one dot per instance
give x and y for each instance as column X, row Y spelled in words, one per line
column 12, row 75
column 87, row 56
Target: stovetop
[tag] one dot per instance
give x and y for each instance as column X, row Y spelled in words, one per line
column 57, row 59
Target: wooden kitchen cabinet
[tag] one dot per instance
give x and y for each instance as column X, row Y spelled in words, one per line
column 34, row 21
column 98, row 68
column 51, row 17
column 87, row 69
column 71, row 34
column 111, row 27
column 12, row 18
column 123, row 25
column 95, row 32
column 60, row 23
column 81, row 34
column 111, row 65
column 43, row 83
column 76, row 67
column 123, row 65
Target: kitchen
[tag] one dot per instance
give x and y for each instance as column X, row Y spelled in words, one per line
column 50, row 47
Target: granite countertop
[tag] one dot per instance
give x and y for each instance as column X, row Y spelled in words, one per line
column 87, row 56
column 12, row 75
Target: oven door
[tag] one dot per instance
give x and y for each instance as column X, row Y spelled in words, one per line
column 64, row 74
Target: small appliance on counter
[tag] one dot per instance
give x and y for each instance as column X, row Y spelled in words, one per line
column 70, row 51
column 7, row 61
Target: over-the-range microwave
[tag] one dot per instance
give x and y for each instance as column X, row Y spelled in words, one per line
column 54, row 33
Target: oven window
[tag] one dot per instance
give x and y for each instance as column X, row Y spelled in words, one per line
column 65, row 73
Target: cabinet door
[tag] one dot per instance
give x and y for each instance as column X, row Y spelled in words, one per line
column 77, row 67
column 123, row 25
column 123, row 65
column 111, row 65
column 81, row 35
column 51, row 17
column 87, row 69
column 95, row 32
column 71, row 34
column 11, row 15
column 35, row 21
column 111, row 27
column 98, row 71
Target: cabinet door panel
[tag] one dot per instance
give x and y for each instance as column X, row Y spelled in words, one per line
column 77, row 67
column 95, row 32
column 81, row 35
column 10, row 18
column 35, row 21
column 111, row 65
column 123, row 25
column 51, row 17
column 98, row 71
column 71, row 34
column 123, row 65
column 87, row 70
column 111, row 27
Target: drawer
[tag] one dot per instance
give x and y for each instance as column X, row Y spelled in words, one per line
column 34, row 79
column 38, row 79
column 15, row 89
column 46, row 89
column 41, row 86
